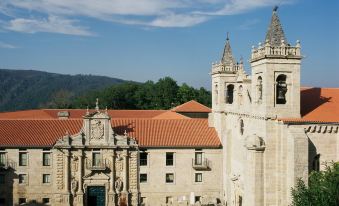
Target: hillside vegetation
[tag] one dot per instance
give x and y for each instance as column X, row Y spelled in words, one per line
column 28, row 89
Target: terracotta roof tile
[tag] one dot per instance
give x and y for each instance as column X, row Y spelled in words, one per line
column 170, row 115
column 148, row 132
column 192, row 106
column 318, row 105
column 35, row 132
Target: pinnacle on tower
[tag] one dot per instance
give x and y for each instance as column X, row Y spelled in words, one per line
column 227, row 57
column 275, row 33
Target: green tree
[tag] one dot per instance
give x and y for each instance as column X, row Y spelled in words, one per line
column 186, row 93
column 322, row 189
column 166, row 93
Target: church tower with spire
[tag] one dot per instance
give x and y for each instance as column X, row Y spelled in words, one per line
column 276, row 74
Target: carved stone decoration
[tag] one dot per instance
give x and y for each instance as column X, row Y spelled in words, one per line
column 60, row 171
column 74, row 186
column 97, row 131
column 118, row 185
column 133, row 184
column 119, row 165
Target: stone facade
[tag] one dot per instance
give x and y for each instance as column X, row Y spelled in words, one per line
column 264, row 150
column 263, row 155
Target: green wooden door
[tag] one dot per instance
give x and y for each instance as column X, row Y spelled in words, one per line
column 96, row 196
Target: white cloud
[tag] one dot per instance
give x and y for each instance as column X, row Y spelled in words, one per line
column 52, row 24
column 155, row 13
column 7, row 46
column 249, row 24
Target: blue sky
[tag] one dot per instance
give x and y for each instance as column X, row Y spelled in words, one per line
column 149, row 39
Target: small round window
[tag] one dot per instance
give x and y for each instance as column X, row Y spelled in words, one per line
column 241, row 124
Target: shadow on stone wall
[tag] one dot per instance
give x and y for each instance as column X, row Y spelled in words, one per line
column 7, row 189
column 312, row 154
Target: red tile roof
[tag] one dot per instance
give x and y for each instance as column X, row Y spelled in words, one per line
column 318, row 105
column 192, row 106
column 148, row 132
column 170, row 115
column 31, row 133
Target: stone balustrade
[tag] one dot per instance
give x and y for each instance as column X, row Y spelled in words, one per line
column 283, row 51
column 219, row 67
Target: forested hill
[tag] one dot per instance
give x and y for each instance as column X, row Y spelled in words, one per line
column 28, row 89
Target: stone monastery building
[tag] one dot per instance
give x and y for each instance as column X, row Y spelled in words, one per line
column 263, row 132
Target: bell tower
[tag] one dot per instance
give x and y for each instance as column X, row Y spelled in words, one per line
column 276, row 74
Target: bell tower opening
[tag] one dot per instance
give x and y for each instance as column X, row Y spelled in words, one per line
column 281, row 89
column 229, row 94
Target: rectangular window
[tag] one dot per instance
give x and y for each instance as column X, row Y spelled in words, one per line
column 169, row 178
column 2, row 159
column 23, row 158
column 46, row 159
column 45, row 200
column 198, row 177
column 169, row 158
column 143, row 158
column 2, row 179
column 198, row 158
column 197, row 198
column 143, row 178
column 96, row 161
column 46, row 178
column 22, row 201
column 169, row 200
column 22, row 179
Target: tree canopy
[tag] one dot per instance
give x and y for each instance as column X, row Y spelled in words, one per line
column 163, row 94
column 322, row 188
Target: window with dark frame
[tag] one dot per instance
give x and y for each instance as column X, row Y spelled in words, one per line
column 143, row 178
column 46, row 159
column 143, row 158
column 23, row 158
column 198, row 177
column 169, row 200
column 169, row 158
column 169, row 177
column 22, row 179
column 2, row 159
column 198, row 158
column 46, row 178
column 97, row 160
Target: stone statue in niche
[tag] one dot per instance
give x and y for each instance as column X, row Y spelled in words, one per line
column 74, row 186
column 118, row 185
column 97, row 131
column 74, row 165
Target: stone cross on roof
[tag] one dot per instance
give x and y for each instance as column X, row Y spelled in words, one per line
column 275, row 33
column 227, row 57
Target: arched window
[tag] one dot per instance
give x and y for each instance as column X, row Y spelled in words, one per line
column 240, row 99
column 229, row 94
column 241, row 125
column 259, row 89
column 281, row 89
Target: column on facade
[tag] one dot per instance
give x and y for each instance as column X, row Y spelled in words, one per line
column 80, row 190
column 67, row 172
column 125, row 166
column 254, row 175
column 111, row 188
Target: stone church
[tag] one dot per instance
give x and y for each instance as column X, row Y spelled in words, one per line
column 263, row 132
